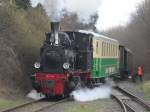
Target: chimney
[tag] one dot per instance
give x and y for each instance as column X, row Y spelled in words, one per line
column 54, row 31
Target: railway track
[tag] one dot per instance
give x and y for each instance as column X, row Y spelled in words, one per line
column 35, row 106
column 128, row 101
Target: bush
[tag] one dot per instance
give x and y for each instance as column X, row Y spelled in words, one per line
column 23, row 34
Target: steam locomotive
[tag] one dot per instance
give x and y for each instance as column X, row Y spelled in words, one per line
column 71, row 59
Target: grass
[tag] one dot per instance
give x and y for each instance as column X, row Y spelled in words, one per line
column 96, row 106
column 146, row 88
column 5, row 103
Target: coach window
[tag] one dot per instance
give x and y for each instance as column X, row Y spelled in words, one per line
column 105, row 47
column 108, row 49
column 102, row 48
column 105, row 51
column 116, row 51
column 96, row 47
column 113, row 50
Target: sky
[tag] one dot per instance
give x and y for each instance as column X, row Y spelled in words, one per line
column 113, row 12
column 35, row 2
column 116, row 12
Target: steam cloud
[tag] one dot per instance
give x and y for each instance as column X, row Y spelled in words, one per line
column 56, row 9
column 84, row 95
column 34, row 95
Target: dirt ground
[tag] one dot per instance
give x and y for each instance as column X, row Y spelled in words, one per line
column 103, row 105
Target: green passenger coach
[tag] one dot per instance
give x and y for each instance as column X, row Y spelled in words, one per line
column 105, row 56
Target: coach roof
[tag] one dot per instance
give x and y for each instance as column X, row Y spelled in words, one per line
column 97, row 35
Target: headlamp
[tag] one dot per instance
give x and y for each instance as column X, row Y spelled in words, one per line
column 66, row 66
column 37, row 65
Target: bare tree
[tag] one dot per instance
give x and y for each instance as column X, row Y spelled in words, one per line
column 136, row 35
column 70, row 22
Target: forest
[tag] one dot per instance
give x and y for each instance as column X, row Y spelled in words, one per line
column 136, row 35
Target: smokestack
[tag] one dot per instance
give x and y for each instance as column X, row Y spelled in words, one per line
column 54, row 31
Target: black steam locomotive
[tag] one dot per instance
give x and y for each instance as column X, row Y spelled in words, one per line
column 72, row 59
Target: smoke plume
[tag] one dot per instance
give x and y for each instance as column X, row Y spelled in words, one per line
column 56, row 9
column 86, row 94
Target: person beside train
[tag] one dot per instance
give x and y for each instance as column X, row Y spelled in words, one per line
column 137, row 73
column 140, row 73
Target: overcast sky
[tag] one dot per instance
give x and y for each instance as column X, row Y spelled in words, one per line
column 112, row 12
column 116, row 12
